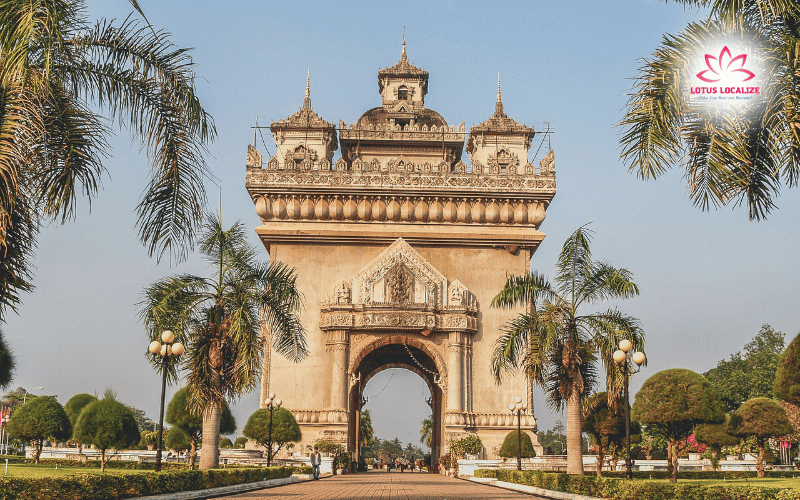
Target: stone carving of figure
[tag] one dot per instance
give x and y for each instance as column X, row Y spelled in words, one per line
column 253, row 157
column 456, row 297
column 341, row 293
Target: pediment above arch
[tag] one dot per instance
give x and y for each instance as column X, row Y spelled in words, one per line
column 399, row 289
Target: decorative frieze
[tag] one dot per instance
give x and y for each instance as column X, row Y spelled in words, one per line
column 474, row 420
column 320, row 416
column 415, row 209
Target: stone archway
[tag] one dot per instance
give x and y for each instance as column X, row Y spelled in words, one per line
column 398, row 351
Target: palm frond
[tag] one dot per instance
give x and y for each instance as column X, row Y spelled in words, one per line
column 604, row 282
column 527, row 290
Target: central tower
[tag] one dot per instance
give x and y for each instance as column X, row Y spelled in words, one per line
column 400, row 247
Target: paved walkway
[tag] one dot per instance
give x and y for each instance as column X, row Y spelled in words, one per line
column 385, row 485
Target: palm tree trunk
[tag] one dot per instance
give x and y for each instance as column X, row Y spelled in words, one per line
column 574, row 440
column 209, row 459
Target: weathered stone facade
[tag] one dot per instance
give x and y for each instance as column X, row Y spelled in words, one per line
column 400, row 247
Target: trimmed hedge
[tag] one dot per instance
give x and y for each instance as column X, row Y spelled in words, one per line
column 662, row 474
column 618, row 489
column 105, row 486
column 95, row 464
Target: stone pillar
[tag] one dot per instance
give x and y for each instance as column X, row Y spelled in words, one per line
column 338, row 345
column 455, row 372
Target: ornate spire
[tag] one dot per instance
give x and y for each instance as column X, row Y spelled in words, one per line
column 498, row 107
column 403, row 56
column 307, row 100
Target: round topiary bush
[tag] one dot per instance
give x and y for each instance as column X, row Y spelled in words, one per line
column 240, row 442
column 225, row 443
column 510, row 446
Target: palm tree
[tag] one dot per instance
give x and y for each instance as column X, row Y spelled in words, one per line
column 366, row 431
column 426, row 432
column 58, row 71
column 736, row 154
column 557, row 347
column 221, row 319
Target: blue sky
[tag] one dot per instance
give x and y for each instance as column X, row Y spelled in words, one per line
column 708, row 280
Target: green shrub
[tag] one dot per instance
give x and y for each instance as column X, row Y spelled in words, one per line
column 225, row 443
column 95, row 486
column 510, row 446
column 240, row 442
column 621, row 489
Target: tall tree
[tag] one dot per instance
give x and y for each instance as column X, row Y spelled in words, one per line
column 7, row 362
column 73, row 408
column 736, row 154
column 181, row 415
column 58, row 72
column 426, row 432
column 556, row 346
column 284, row 429
column 749, row 374
column 787, row 378
column 366, row 432
column 671, row 403
column 107, row 424
column 604, row 425
column 762, row 419
column 221, row 319
column 39, row 419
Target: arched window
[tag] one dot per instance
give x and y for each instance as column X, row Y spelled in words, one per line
column 402, row 93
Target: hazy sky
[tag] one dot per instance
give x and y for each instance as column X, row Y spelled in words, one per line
column 708, row 280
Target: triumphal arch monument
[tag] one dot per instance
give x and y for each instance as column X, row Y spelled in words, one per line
column 400, row 246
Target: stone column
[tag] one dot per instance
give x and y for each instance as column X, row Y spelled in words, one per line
column 338, row 345
column 455, row 372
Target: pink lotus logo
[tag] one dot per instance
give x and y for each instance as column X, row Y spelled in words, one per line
column 725, row 67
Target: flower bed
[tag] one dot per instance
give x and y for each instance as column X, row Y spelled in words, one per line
column 621, row 489
column 102, row 486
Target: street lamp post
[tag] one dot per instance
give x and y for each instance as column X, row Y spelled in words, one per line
column 167, row 349
column 621, row 359
column 272, row 402
column 518, row 408
column 25, row 393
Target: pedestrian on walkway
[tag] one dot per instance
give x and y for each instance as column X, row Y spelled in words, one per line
column 316, row 459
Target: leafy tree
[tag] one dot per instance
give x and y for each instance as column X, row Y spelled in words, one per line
column 715, row 436
column 672, row 402
column 787, row 378
column 366, row 432
column 144, row 423
column 240, row 442
column 762, row 419
column 221, row 318
column 653, row 444
column 426, row 432
column 225, row 443
column 750, row 374
column 468, row 445
column 107, row 424
column 510, row 447
column 736, row 155
column 73, row 408
column 39, row 419
column 58, row 71
column 604, row 425
column 555, row 345
column 284, row 429
column 177, row 440
column 553, row 440
column 180, row 414
column 7, row 363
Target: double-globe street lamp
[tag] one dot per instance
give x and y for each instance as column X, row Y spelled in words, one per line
column 166, row 349
column 272, row 402
column 518, row 408
column 621, row 356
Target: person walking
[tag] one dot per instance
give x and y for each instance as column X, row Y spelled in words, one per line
column 316, row 460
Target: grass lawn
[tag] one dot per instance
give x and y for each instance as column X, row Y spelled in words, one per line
column 767, row 482
column 30, row 470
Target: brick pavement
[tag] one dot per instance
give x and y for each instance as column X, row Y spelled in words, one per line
column 384, row 486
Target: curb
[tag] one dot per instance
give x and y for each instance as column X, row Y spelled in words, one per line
column 224, row 490
column 533, row 490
